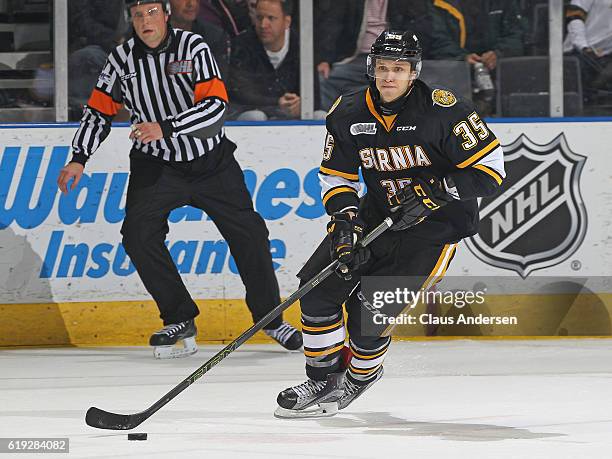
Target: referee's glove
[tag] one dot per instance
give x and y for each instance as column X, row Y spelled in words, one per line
column 345, row 231
column 415, row 202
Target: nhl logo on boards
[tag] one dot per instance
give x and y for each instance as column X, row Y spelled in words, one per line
column 443, row 98
column 538, row 218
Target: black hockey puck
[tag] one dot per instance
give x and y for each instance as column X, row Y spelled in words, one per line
column 137, row 436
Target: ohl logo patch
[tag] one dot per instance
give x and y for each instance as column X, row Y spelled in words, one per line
column 179, row 67
column 538, row 219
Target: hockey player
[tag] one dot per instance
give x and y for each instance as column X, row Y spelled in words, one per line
column 425, row 156
column 171, row 85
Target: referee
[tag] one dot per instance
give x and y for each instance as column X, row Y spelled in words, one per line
column 170, row 84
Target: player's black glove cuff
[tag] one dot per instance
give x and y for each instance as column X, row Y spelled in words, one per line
column 416, row 201
column 346, row 231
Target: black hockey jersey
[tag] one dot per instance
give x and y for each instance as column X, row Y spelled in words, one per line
column 434, row 131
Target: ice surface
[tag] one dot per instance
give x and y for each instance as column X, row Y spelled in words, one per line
column 438, row 399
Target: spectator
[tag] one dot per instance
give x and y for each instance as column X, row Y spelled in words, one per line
column 265, row 65
column 479, row 31
column 589, row 35
column 252, row 4
column 185, row 16
column 233, row 16
column 99, row 23
column 346, row 30
column 96, row 27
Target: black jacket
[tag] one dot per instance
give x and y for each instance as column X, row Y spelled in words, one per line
column 96, row 22
column 254, row 82
column 218, row 41
column 462, row 27
column 338, row 23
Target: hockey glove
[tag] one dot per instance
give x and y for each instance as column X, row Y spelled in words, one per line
column 416, row 201
column 345, row 231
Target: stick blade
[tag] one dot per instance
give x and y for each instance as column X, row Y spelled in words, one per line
column 101, row 419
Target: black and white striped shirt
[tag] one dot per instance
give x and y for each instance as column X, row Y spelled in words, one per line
column 177, row 85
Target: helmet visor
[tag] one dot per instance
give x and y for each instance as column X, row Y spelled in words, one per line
column 391, row 67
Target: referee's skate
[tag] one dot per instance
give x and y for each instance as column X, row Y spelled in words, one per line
column 175, row 340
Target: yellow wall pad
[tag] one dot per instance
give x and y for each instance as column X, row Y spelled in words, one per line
column 122, row 323
column 128, row 323
column 546, row 315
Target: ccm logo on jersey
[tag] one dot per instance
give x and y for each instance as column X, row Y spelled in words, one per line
column 177, row 67
column 406, row 128
column 128, row 76
column 363, row 128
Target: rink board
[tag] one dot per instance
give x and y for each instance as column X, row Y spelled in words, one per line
column 63, row 269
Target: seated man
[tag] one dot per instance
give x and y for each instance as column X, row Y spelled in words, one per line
column 233, row 16
column 265, row 67
column 479, row 31
column 185, row 16
column 345, row 31
column 589, row 34
column 95, row 28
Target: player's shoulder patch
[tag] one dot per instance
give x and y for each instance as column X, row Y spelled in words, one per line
column 443, row 98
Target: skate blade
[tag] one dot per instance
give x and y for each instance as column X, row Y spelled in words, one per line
column 189, row 347
column 322, row 410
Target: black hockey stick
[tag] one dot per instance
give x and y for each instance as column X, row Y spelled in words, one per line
column 101, row 419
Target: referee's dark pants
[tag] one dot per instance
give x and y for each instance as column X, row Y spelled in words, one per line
column 215, row 184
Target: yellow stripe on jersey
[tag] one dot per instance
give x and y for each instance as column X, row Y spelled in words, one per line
column 366, row 371
column 335, row 191
column 457, row 15
column 325, row 352
column 389, row 119
column 487, row 170
column 368, row 357
column 476, row 156
column 433, row 277
column 446, row 265
column 437, row 266
column 319, row 329
column 386, row 121
column 346, row 175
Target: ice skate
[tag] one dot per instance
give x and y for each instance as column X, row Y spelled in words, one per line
column 351, row 390
column 287, row 336
column 311, row 399
column 175, row 340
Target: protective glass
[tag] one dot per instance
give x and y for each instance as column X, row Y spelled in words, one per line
column 392, row 68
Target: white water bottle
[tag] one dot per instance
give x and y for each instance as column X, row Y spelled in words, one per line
column 484, row 84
